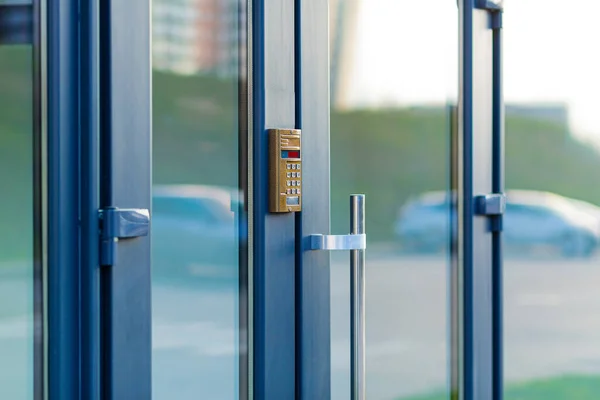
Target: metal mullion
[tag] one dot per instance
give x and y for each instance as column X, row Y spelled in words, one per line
column 63, row 297
column 497, row 187
column 482, row 178
column 39, row 196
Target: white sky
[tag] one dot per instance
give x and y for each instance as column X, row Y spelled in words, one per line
column 406, row 52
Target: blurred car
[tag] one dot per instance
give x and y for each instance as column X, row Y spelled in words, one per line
column 532, row 219
column 196, row 231
column 423, row 223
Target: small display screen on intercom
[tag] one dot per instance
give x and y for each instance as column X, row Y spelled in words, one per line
column 290, row 154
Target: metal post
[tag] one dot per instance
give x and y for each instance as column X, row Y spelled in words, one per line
column 357, row 301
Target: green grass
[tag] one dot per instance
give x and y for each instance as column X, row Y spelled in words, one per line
column 576, row 387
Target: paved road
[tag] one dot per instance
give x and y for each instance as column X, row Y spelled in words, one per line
column 552, row 322
column 552, row 327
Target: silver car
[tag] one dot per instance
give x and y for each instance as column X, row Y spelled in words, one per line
column 532, row 219
column 196, row 232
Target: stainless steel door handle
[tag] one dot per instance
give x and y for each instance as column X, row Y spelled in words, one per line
column 356, row 242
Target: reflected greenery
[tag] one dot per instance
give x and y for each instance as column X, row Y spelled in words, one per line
column 16, row 153
column 577, row 387
column 403, row 153
column 16, row 223
column 193, row 143
column 194, row 125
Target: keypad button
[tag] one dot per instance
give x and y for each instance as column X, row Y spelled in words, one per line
column 289, row 166
column 298, row 174
column 289, row 183
column 289, row 174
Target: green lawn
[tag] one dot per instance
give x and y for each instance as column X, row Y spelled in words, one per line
column 576, row 387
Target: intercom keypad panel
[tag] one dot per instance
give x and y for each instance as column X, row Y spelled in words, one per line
column 285, row 170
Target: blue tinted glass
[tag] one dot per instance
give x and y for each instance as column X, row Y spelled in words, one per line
column 17, row 223
column 199, row 226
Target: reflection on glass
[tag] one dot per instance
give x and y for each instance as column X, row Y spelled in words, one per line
column 199, row 229
column 394, row 70
column 552, row 222
column 16, row 227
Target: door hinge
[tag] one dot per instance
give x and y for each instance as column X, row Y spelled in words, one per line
column 492, row 206
column 115, row 224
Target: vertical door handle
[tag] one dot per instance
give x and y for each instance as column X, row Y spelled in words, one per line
column 356, row 242
column 357, row 301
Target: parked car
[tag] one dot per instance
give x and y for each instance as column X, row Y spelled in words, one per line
column 532, row 219
column 423, row 223
column 196, row 232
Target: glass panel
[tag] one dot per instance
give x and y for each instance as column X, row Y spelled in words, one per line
column 199, row 226
column 394, row 75
column 552, row 223
column 18, row 237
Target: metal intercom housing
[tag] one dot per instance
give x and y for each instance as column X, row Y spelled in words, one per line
column 285, row 170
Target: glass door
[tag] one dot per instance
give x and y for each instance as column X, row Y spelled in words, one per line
column 394, row 83
column 414, row 124
column 21, row 301
column 199, row 199
column 213, row 317
column 551, row 235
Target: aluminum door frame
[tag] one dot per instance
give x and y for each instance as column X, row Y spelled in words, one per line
column 68, row 110
column 481, row 140
column 126, row 182
column 273, row 325
column 476, row 298
column 313, row 276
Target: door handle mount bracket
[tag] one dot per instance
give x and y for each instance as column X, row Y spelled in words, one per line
column 338, row 242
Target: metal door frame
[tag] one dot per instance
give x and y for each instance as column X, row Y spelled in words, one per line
column 290, row 332
column 273, row 255
column 313, row 268
column 68, row 78
column 480, row 253
column 476, row 364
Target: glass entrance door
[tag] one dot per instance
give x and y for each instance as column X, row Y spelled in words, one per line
column 551, row 236
column 21, row 313
column 394, row 82
column 199, row 258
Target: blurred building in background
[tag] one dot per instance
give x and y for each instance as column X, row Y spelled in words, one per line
column 342, row 30
column 198, row 36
